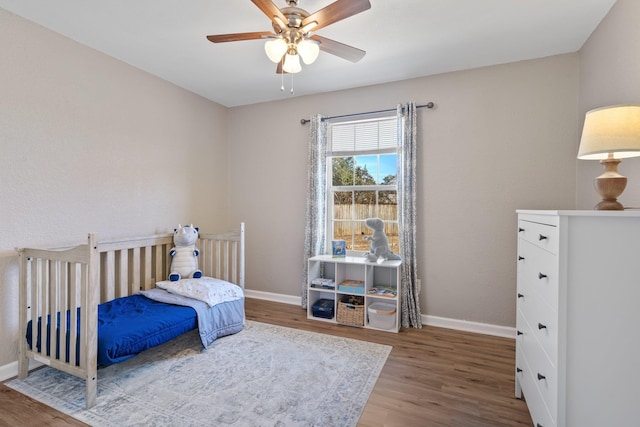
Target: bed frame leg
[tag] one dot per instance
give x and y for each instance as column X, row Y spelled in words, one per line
column 23, row 367
column 92, row 390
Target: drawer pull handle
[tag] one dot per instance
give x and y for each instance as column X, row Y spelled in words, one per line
column 518, row 370
column 542, row 276
column 520, row 229
column 541, row 377
column 541, row 326
column 520, row 258
column 519, row 333
column 520, row 296
column 542, row 237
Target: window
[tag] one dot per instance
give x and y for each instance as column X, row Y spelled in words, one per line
column 362, row 171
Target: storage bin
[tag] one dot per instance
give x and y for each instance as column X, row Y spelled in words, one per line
column 382, row 315
column 323, row 308
column 351, row 311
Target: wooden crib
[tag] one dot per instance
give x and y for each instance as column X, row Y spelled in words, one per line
column 75, row 280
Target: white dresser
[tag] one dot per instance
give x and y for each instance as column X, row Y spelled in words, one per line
column 578, row 317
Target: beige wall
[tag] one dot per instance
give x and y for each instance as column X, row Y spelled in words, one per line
column 88, row 143
column 610, row 75
column 500, row 138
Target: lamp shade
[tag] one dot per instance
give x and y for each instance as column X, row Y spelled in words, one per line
column 292, row 64
column 308, row 50
column 275, row 49
column 614, row 130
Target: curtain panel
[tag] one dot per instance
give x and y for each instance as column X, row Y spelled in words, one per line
column 407, row 159
column 316, row 213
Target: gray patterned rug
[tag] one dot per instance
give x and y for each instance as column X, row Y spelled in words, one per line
column 263, row 376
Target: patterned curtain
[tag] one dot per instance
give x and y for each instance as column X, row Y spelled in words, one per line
column 407, row 135
column 314, row 240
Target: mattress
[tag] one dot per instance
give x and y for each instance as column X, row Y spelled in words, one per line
column 126, row 326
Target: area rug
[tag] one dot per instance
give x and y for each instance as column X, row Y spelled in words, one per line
column 263, row 376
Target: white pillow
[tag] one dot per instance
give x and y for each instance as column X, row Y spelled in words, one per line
column 208, row 289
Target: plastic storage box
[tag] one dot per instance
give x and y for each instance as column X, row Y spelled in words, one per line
column 382, row 315
column 323, row 308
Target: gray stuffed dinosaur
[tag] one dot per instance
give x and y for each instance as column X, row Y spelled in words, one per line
column 379, row 251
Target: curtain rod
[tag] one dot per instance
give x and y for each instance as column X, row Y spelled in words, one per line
column 305, row 121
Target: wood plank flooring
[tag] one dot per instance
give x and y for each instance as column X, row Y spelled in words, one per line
column 433, row 377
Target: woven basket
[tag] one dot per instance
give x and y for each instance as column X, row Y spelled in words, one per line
column 351, row 312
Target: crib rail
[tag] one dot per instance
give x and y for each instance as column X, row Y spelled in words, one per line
column 68, row 284
column 55, row 285
column 222, row 256
column 131, row 265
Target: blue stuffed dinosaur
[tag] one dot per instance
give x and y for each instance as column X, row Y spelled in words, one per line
column 184, row 255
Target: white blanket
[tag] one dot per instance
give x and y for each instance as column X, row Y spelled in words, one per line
column 207, row 289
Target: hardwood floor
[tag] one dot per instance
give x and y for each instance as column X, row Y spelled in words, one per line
column 433, row 377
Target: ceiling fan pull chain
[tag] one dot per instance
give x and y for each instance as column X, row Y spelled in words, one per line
column 291, row 83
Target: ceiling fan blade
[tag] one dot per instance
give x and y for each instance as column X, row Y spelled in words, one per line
column 222, row 38
column 342, row 50
column 335, row 12
column 271, row 10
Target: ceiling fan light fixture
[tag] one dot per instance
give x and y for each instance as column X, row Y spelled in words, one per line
column 275, row 49
column 308, row 50
column 292, row 63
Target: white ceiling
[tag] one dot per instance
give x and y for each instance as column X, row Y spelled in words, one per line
column 403, row 39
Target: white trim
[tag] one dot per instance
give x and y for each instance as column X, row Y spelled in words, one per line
column 270, row 296
column 440, row 322
column 469, row 326
column 10, row 370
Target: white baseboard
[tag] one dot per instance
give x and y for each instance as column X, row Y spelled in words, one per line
column 270, row 296
column 468, row 326
column 10, row 370
column 440, row 322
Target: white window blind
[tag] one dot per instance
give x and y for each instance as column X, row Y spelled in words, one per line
column 363, row 136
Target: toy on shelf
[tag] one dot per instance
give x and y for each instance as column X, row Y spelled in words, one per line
column 379, row 251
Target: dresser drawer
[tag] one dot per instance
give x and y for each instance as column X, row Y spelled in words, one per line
column 543, row 321
column 543, row 236
column 537, row 408
column 543, row 373
column 538, row 271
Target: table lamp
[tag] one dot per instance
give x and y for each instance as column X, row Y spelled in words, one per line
column 610, row 134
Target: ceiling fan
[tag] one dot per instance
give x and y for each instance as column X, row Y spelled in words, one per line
column 291, row 38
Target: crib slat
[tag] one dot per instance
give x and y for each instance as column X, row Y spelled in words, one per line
column 135, row 271
column 43, row 284
column 218, row 257
column 73, row 317
column 159, row 274
column 234, row 262
column 109, row 285
column 147, row 267
column 226, row 261
column 123, row 280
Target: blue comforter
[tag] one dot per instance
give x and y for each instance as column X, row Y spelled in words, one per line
column 129, row 325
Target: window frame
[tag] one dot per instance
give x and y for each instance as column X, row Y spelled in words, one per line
column 331, row 189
